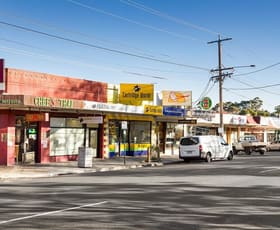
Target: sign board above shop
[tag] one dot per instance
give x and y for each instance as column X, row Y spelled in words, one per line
column 91, row 120
column 187, row 121
column 34, row 117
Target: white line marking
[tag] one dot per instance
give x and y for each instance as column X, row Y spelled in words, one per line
column 269, row 170
column 53, row 212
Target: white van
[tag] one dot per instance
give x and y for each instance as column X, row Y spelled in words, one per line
column 204, row 147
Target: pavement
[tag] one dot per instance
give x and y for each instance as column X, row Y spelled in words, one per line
column 71, row 167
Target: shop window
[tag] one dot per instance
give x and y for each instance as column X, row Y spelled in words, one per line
column 140, row 132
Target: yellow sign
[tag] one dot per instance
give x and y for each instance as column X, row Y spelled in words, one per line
column 177, row 98
column 135, row 94
column 153, row 110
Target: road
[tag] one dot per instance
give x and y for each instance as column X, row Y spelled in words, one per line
column 239, row 194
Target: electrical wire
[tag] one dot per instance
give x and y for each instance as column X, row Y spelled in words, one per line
column 55, row 27
column 62, row 60
column 259, row 70
column 131, row 21
column 102, row 47
column 253, row 88
column 166, row 16
column 244, row 83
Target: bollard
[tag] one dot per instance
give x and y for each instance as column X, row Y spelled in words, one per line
column 148, row 155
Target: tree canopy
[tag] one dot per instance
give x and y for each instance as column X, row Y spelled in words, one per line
column 252, row 107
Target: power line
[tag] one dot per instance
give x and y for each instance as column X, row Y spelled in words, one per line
column 253, row 88
column 101, row 47
column 58, row 59
column 259, row 70
column 166, row 16
column 131, row 21
column 244, row 83
column 55, row 27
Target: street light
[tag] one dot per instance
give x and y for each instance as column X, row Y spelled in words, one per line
column 220, row 78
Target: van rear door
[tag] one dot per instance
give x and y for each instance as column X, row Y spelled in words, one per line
column 189, row 147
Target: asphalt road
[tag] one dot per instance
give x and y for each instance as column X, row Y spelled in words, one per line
column 239, row 194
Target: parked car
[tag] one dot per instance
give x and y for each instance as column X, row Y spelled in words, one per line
column 273, row 146
column 249, row 144
column 207, row 148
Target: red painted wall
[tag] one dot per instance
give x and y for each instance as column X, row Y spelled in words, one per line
column 7, row 139
column 44, row 142
column 48, row 85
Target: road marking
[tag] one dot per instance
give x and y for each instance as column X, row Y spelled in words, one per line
column 53, row 212
column 269, row 170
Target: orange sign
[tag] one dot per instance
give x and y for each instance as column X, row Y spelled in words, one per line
column 177, row 98
column 37, row 117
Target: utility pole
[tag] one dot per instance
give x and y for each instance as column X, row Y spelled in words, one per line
column 220, row 79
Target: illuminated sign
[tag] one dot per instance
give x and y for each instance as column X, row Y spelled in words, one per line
column 37, row 117
column 135, row 94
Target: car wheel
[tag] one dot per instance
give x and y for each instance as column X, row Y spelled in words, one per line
column 208, row 158
column 262, row 152
column 248, row 151
column 230, row 156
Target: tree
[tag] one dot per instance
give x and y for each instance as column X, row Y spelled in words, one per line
column 252, row 107
column 277, row 110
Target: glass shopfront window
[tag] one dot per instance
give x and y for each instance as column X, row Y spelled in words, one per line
column 134, row 140
column 140, row 132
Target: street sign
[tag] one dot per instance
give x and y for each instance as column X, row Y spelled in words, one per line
column 188, row 121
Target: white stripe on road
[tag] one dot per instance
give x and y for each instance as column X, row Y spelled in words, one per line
column 53, row 212
column 269, row 170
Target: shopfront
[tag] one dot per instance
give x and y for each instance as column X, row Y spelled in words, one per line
column 128, row 136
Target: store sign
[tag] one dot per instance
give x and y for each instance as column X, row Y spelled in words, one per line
column 173, row 111
column 135, row 94
column 188, row 121
column 2, row 75
column 91, row 120
column 32, row 117
column 177, row 98
column 53, row 102
column 11, row 100
column 98, row 106
column 206, row 103
column 153, row 110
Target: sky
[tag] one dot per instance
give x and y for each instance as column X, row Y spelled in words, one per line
column 162, row 42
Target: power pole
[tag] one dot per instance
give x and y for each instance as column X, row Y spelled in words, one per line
column 220, row 79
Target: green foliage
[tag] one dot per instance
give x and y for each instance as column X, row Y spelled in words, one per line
column 251, row 107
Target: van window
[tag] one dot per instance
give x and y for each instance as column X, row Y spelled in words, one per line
column 189, row 141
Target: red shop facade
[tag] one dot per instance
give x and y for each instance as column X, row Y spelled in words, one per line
column 40, row 117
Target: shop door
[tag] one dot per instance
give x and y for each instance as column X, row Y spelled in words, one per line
column 93, row 140
column 31, row 154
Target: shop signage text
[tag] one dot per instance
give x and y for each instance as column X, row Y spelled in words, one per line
column 91, row 120
column 10, row 100
column 113, row 107
column 188, row 121
column 36, row 117
column 173, row 111
column 53, row 102
column 153, row 110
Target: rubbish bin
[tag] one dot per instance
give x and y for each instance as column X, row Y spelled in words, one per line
column 85, row 157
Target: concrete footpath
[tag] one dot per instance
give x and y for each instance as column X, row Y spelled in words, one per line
column 71, row 167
